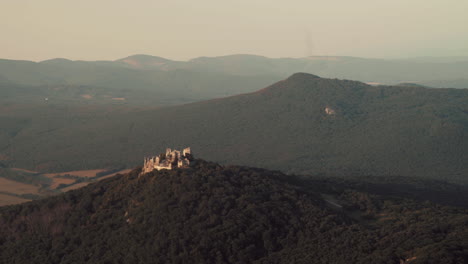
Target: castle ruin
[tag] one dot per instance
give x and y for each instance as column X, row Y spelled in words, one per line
column 168, row 161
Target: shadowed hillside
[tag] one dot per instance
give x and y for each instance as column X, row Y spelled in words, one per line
column 214, row 214
column 304, row 124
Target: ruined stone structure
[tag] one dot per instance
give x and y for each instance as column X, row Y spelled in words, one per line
column 329, row 111
column 168, row 161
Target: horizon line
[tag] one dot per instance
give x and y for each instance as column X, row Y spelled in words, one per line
column 242, row 54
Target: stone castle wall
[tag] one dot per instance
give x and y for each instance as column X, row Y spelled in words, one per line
column 168, row 161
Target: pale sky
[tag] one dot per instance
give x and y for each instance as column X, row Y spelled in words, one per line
column 182, row 29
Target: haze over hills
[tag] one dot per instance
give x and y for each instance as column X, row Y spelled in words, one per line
column 304, row 124
column 361, row 69
column 150, row 81
column 172, row 82
column 99, row 79
column 214, row 214
column 455, row 83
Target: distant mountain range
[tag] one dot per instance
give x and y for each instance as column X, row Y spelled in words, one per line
column 214, row 214
column 423, row 69
column 455, row 83
column 67, row 81
column 144, row 71
column 143, row 80
column 303, row 124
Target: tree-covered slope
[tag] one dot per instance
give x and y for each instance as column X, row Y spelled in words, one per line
column 303, row 124
column 215, row 214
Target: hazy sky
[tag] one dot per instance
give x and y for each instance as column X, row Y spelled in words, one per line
column 176, row 29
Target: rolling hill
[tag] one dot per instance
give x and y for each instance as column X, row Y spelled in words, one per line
column 72, row 81
column 214, row 214
column 443, row 72
column 362, row 69
column 144, row 79
column 455, row 83
column 303, row 124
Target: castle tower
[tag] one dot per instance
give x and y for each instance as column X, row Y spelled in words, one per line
column 173, row 159
column 186, row 151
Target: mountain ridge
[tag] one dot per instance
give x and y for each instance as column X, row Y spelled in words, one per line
column 303, row 124
column 388, row 71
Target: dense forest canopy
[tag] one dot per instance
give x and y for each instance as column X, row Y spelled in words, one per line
column 304, row 124
column 214, row 214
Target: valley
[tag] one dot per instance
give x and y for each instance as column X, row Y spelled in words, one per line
column 19, row 185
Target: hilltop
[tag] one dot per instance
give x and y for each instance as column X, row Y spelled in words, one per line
column 151, row 81
column 214, row 214
column 303, row 124
column 146, row 72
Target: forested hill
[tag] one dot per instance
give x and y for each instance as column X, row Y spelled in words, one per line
column 303, row 124
column 214, row 214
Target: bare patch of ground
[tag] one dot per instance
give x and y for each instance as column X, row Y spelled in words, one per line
column 57, row 181
column 17, row 187
column 9, row 200
column 113, row 174
column 82, row 173
column 75, row 186
column 12, row 187
column 23, row 170
column 82, row 184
